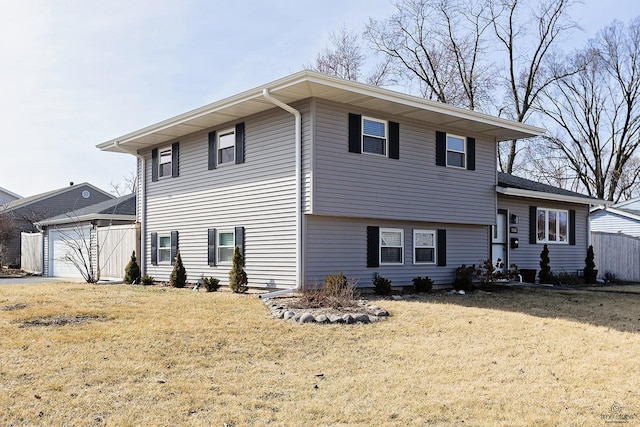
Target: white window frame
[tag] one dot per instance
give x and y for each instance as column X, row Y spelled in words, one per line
column 381, row 245
column 416, row 246
column 163, row 248
column 547, row 227
column 450, row 150
column 219, row 135
column 219, row 246
column 163, row 154
column 385, row 138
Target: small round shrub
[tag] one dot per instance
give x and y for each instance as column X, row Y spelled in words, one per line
column 211, row 284
column 335, row 284
column 381, row 285
column 147, row 280
column 422, row 284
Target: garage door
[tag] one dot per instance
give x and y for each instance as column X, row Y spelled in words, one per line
column 63, row 251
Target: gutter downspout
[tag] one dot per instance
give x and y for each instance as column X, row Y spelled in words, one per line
column 298, row 150
column 143, row 205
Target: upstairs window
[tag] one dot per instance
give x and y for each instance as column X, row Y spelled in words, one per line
column 164, row 168
column 164, row 248
column 227, row 146
column 374, row 136
column 456, row 151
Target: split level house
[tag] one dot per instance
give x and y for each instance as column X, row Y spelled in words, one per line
column 313, row 175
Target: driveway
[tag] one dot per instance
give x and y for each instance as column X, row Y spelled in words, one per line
column 28, row 280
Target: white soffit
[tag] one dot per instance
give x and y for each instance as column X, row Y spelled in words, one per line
column 307, row 84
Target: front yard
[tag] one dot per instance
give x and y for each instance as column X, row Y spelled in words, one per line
column 78, row 354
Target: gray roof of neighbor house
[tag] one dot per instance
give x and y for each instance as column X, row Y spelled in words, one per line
column 121, row 208
column 10, row 193
column 308, row 84
column 517, row 186
column 16, row 204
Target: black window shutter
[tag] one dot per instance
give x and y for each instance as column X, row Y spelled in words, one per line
column 572, row 227
column 533, row 225
column 212, row 150
column 373, row 247
column 394, row 140
column 175, row 156
column 442, row 248
column 154, row 248
column 471, row 154
column 441, row 148
column 239, row 231
column 240, row 143
column 154, row 164
column 355, row 133
column 174, row 246
column 211, row 247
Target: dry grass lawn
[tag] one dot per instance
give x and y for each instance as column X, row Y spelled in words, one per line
column 76, row 354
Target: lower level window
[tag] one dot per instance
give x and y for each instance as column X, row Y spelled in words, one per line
column 424, row 244
column 226, row 245
column 164, row 248
column 552, row 226
column 391, row 246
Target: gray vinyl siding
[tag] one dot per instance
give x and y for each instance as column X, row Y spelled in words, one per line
column 410, row 188
column 45, row 252
column 335, row 244
column 610, row 222
column 258, row 195
column 563, row 257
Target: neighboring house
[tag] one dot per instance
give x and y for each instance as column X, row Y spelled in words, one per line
column 29, row 210
column 311, row 175
column 531, row 214
column 622, row 218
column 96, row 240
column 7, row 196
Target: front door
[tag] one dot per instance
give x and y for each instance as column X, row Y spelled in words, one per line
column 499, row 241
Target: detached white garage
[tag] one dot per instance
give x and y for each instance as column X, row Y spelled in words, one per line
column 69, row 251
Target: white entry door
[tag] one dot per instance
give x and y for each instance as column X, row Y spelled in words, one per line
column 499, row 241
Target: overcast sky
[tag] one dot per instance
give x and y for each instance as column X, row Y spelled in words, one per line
column 75, row 73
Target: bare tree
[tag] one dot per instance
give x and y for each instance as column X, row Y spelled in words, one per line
column 597, row 113
column 345, row 58
column 128, row 185
column 441, row 45
column 528, row 31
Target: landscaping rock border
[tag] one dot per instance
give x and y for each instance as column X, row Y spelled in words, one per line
column 365, row 314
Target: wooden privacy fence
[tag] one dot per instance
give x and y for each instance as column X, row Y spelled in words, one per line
column 617, row 253
column 116, row 243
column 31, row 252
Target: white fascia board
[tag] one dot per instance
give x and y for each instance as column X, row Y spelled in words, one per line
column 84, row 218
column 622, row 213
column 518, row 192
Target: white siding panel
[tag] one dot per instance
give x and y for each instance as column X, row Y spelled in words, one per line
column 610, row 222
column 411, row 188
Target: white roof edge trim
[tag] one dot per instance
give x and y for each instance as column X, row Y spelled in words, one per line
column 314, row 77
column 621, row 213
column 88, row 217
column 507, row 191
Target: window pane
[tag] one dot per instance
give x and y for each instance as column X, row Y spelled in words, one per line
column 226, row 239
column 456, row 144
column 424, row 239
column 455, row 159
column 425, row 255
column 391, row 238
column 552, row 226
column 562, row 226
column 165, row 163
column 227, row 155
column 542, row 219
column 225, row 254
column 390, row 254
column 164, row 242
column 369, row 127
column 227, row 140
column 373, row 145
